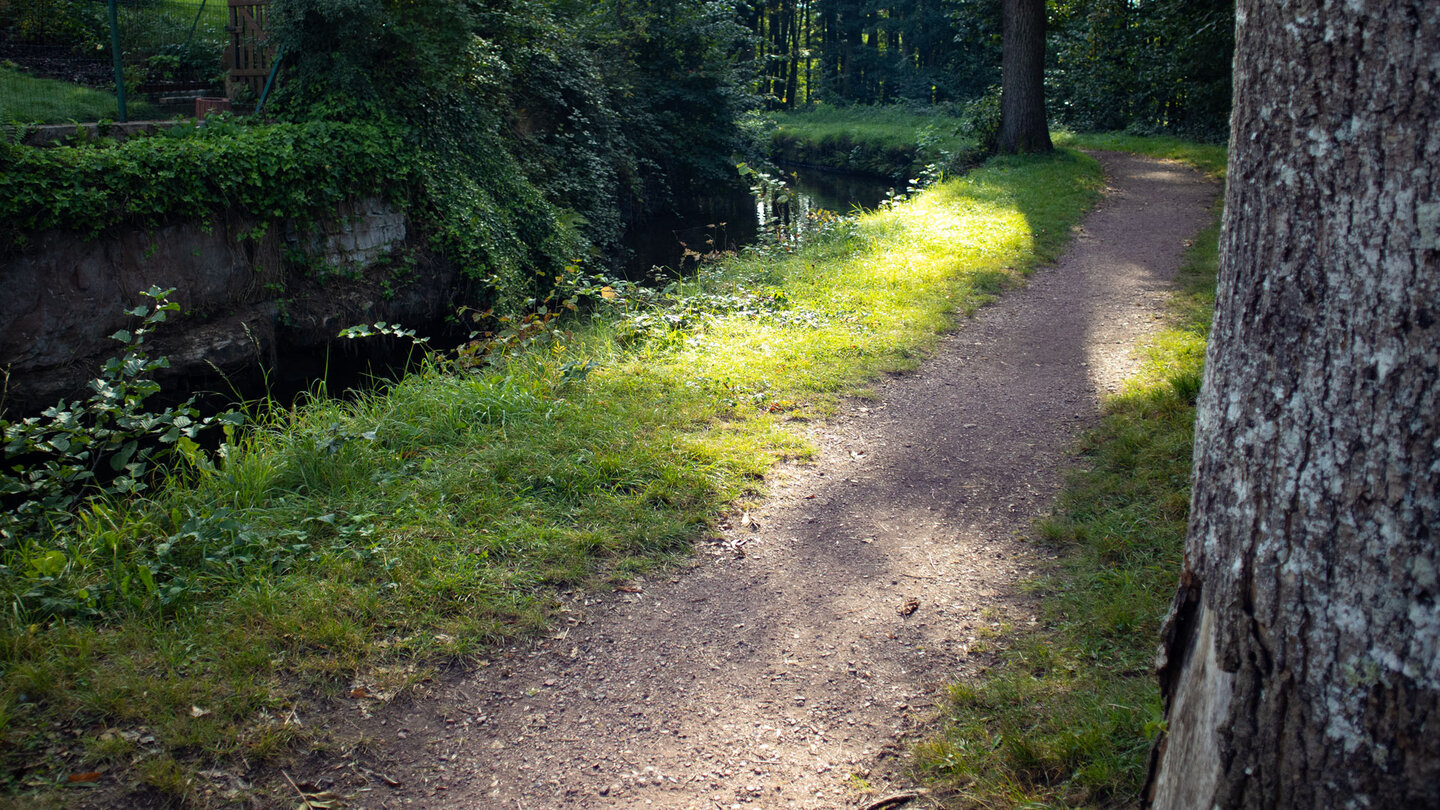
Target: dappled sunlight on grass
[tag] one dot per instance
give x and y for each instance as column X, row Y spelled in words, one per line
column 1207, row 157
column 1066, row 720
column 425, row 521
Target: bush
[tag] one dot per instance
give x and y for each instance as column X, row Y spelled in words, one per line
column 102, row 446
column 268, row 172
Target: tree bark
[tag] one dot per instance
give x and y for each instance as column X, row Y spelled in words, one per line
column 1022, row 79
column 1300, row 664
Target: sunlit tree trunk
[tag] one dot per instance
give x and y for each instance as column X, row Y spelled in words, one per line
column 809, row 53
column 1022, row 77
column 792, row 81
column 1301, row 660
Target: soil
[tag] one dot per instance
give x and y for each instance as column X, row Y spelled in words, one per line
column 796, row 660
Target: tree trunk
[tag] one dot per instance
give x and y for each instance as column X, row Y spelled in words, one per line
column 1300, row 665
column 1022, row 79
column 809, row 53
column 792, row 80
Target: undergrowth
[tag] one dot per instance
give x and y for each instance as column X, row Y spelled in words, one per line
column 1068, row 717
column 343, row 548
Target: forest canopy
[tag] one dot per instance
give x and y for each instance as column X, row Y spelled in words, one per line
column 1146, row 65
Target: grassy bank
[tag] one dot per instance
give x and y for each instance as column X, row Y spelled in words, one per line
column 1207, row 157
column 1067, row 719
column 26, row 99
column 893, row 142
column 361, row 545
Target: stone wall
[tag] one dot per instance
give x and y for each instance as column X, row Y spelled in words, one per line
column 65, row 295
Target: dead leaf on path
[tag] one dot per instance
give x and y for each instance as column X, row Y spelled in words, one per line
column 88, row 776
column 910, row 606
column 360, row 693
column 629, row 589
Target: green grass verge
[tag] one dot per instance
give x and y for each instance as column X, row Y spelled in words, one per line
column 1067, row 719
column 895, row 142
column 362, row 544
column 1207, row 157
column 25, row 99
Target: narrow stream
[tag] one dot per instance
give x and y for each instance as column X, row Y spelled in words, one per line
column 733, row 219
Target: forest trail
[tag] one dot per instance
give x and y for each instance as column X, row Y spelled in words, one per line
column 788, row 667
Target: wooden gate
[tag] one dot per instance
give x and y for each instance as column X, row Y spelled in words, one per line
column 249, row 55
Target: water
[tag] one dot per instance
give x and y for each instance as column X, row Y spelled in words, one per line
column 724, row 222
column 733, row 218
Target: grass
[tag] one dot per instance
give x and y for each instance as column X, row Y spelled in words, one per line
column 1067, row 719
column 884, row 126
column 362, row 545
column 147, row 29
column 892, row 141
column 1207, row 157
column 25, row 99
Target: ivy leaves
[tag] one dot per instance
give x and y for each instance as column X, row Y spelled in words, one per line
column 267, row 172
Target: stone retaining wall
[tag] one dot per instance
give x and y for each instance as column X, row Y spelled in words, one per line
column 65, row 295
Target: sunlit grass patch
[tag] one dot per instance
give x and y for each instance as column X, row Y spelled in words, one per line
column 1207, row 157
column 1067, row 719
column 887, row 126
column 893, row 141
column 346, row 544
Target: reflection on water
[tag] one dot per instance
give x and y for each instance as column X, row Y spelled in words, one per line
column 733, row 218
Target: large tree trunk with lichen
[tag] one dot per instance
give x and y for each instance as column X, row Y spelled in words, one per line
column 1301, row 660
column 1022, row 79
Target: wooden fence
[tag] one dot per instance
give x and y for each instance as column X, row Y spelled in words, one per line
column 249, row 56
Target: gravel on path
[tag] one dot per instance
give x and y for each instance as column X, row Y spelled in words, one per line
column 797, row 658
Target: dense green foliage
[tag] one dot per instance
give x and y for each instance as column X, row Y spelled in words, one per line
column 1066, row 720
column 270, row 173
column 1146, row 65
column 533, row 132
column 368, row 541
column 1149, row 67
column 540, row 122
column 844, row 51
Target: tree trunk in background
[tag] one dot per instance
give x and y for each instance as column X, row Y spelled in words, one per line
column 1022, row 78
column 809, row 52
column 1301, row 659
column 792, row 80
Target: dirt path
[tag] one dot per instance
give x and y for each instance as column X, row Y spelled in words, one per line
column 782, row 669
